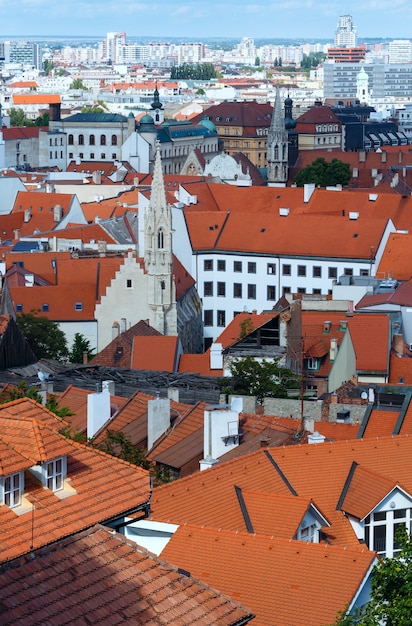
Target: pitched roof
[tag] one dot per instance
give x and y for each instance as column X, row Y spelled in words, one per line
column 237, row 328
column 155, row 353
column 92, row 498
column 102, row 577
column 395, row 261
column 36, row 98
column 317, row 472
column 287, row 579
column 118, row 353
column 364, row 490
column 75, row 399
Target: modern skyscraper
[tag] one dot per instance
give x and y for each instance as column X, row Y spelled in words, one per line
column 345, row 34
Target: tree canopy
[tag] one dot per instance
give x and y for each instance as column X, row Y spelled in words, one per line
column 324, row 174
column 80, row 345
column 44, row 336
column 391, row 594
column 77, row 83
column 262, row 379
column 202, row 71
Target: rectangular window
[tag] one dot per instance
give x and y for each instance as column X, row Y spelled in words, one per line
column 301, row 270
column 251, row 292
column 286, row 269
column 208, row 288
column 208, row 317
column 251, row 268
column 12, row 490
column 208, row 265
column 129, row 283
column 221, row 265
column 285, row 290
column 237, row 266
column 78, row 306
column 81, row 155
column 237, row 290
column 348, row 271
column 271, row 268
column 301, row 289
column 54, row 475
column 45, row 308
column 364, row 273
column 221, row 289
column 221, row 318
column 19, row 308
column 332, row 272
column 103, row 155
column 271, row 292
column 92, row 155
column 311, row 364
column 317, row 292
column 317, row 271
column 114, row 156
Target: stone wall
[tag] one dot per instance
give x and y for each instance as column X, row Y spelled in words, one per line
column 283, row 407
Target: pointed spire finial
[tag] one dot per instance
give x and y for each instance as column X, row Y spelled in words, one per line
column 158, row 194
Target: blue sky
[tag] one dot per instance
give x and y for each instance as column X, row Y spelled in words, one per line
column 197, row 19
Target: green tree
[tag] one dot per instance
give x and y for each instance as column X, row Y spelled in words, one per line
column 43, row 120
column 391, row 594
column 22, row 390
column 44, row 336
column 18, row 118
column 118, row 444
column 47, row 66
column 257, row 61
column 324, row 174
column 79, row 347
column 263, row 379
column 77, row 83
column 202, row 71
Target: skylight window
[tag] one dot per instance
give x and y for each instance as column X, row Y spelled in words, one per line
column 78, row 306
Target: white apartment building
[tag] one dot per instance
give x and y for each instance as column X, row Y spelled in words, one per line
column 400, row 51
column 345, row 34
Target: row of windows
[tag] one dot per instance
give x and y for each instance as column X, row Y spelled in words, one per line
column 92, row 155
column 92, row 140
column 301, row 270
column 55, row 141
column 56, row 152
column 237, row 290
column 78, row 306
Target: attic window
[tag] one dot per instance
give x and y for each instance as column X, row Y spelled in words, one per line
column 19, row 308
column 129, row 283
column 54, row 474
column 12, row 490
column 45, row 308
column 78, row 306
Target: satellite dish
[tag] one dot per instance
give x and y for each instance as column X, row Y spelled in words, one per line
column 364, row 395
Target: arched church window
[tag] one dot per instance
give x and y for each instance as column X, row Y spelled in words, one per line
column 276, row 152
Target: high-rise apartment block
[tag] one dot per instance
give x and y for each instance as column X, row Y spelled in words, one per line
column 345, row 34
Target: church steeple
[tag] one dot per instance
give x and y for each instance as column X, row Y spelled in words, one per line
column 158, row 114
column 277, row 146
column 158, row 256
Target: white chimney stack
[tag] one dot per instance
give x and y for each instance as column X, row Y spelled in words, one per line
column 158, row 419
column 98, row 411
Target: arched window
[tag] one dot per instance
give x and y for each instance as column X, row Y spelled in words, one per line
column 102, row 140
column 276, row 153
column 70, row 140
column 91, row 140
column 81, row 140
column 114, row 140
column 160, row 239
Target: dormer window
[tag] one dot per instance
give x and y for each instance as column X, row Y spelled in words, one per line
column 54, row 474
column 12, row 490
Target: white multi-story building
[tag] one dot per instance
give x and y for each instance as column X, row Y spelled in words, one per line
column 400, row 51
column 345, row 34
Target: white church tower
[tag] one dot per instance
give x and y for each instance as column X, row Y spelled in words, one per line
column 161, row 289
column 362, row 86
column 277, row 147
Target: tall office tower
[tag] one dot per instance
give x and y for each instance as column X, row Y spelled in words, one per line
column 345, row 34
column 24, row 53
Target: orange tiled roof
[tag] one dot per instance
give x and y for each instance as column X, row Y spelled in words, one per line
column 198, row 364
column 317, row 472
column 85, row 232
column 41, row 206
column 233, row 332
column 92, row 499
column 75, row 399
column 112, row 579
column 36, row 98
column 365, row 490
column 395, row 261
column 279, row 566
column 118, row 353
column 155, row 353
column 369, row 334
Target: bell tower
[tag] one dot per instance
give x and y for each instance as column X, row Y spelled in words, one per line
column 277, row 147
column 158, row 258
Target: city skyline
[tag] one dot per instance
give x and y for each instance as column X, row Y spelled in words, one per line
column 294, row 19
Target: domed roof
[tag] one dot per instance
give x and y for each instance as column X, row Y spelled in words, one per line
column 288, row 102
column 290, row 123
column 147, row 123
column 208, row 124
column 131, row 114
